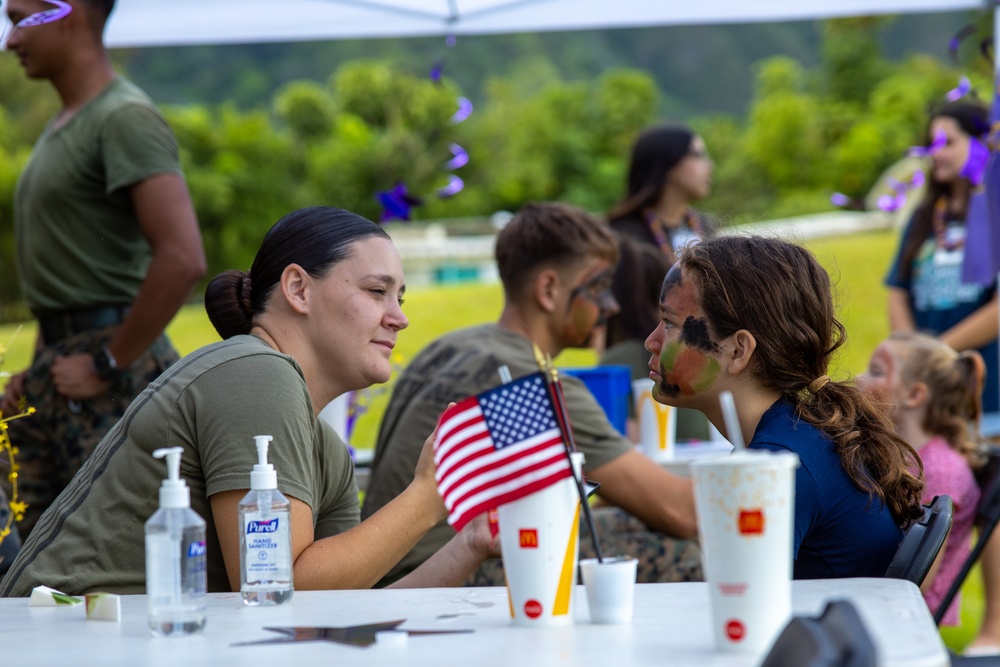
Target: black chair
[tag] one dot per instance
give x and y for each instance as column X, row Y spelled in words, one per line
column 922, row 542
column 987, row 516
column 837, row 638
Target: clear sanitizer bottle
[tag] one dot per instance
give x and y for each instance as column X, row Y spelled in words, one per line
column 265, row 536
column 175, row 557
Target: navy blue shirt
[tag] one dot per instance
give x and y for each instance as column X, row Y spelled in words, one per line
column 939, row 299
column 838, row 531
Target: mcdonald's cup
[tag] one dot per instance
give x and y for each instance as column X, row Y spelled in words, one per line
column 539, row 535
column 746, row 509
column 657, row 422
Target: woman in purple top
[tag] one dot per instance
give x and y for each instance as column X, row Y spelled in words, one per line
column 755, row 316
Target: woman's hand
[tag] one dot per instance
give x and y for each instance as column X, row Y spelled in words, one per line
column 480, row 538
column 424, row 473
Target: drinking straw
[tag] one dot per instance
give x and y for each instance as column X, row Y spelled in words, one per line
column 569, row 442
column 733, row 431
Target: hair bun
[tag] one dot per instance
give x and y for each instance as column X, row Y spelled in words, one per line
column 245, row 294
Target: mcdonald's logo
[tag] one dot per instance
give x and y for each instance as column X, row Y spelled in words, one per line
column 751, row 522
column 529, row 538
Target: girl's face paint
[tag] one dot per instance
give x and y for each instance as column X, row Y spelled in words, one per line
column 685, row 355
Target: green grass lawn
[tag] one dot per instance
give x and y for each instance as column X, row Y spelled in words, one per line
column 856, row 263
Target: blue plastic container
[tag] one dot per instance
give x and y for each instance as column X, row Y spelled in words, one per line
column 611, row 386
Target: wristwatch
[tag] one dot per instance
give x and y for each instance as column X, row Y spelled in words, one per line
column 105, row 365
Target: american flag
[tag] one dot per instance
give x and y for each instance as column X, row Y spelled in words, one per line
column 497, row 447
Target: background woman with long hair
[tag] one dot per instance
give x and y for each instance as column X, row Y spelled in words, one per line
column 670, row 169
column 930, row 286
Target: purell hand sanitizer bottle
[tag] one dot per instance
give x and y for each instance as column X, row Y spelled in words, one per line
column 175, row 557
column 265, row 536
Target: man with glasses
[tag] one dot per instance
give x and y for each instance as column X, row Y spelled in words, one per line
column 108, row 246
column 557, row 264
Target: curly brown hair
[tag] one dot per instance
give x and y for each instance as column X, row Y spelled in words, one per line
column 779, row 293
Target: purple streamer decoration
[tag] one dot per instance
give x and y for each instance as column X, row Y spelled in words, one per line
column 975, row 167
column 464, row 111
column 396, row 203
column 939, row 142
column 897, row 199
column 436, row 71
column 455, row 185
column 840, row 199
column 891, row 203
column 61, row 10
column 982, row 240
column 964, row 86
column 954, row 42
column 461, row 157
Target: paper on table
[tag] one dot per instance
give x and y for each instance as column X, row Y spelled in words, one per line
column 103, row 607
column 43, row 596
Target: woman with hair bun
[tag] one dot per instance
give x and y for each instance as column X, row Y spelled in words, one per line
column 317, row 315
column 755, row 316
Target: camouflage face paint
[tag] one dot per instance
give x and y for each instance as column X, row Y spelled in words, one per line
column 583, row 317
column 686, row 367
column 590, row 304
column 685, row 371
column 695, row 333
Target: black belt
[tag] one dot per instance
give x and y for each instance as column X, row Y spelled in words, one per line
column 56, row 326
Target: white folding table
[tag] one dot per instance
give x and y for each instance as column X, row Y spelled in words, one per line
column 671, row 627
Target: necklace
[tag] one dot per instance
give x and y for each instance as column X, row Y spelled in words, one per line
column 661, row 230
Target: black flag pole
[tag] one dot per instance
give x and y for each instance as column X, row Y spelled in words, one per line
column 551, row 376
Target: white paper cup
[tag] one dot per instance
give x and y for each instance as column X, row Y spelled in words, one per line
column 540, row 539
column 746, row 510
column 610, row 589
column 657, row 423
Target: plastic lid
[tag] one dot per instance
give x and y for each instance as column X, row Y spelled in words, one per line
column 263, row 477
column 174, row 492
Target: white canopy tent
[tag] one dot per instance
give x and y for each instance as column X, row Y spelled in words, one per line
column 179, row 22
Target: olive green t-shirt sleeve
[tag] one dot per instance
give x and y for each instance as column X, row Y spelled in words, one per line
column 136, row 144
column 594, row 434
column 338, row 508
column 260, row 394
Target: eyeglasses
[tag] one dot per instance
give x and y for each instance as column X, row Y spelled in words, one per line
column 597, row 289
column 61, row 10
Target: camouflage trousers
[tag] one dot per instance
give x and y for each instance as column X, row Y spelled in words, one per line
column 54, row 442
column 661, row 558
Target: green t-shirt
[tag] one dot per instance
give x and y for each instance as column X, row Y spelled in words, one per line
column 78, row 239
column 458, row 365
column 211, row 403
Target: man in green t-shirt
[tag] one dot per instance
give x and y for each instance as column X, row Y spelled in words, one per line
column 108, row 246
column 557, row 265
